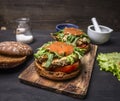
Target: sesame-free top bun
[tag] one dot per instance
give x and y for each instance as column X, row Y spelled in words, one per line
column 13, row 53
column 52, row 75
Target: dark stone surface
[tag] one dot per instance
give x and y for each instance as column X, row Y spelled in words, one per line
column 103, row 86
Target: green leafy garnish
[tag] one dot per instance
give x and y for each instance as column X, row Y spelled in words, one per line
column 49, row 56
column 69, row 38
column 49, row 60
column 110, row 62
column 70, row 59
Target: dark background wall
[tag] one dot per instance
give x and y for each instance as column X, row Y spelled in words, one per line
column 45, row 14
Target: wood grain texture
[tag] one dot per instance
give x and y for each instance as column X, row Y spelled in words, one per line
column 76, row 87
column 45, row 14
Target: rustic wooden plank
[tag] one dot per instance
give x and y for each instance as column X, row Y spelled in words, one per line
column 48, row 13
column 76, row 87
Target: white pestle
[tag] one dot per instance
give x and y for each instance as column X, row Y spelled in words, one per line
column 96, row 26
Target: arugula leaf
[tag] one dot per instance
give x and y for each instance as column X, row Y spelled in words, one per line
column 110, row 62
column 77, row 54
column 79, row 51
column 41, row 52
column 70, row 59
column 74, row 42
column 48, row 62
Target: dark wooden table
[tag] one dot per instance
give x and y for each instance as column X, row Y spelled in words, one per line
column 103, row 86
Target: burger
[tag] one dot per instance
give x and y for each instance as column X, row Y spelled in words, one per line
column 58, row 60
column 73, row 36
column 13, row 53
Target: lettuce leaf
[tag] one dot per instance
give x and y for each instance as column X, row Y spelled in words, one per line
column 110, row 62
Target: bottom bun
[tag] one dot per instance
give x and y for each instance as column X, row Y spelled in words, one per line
column 54, row 75
column 7, row 62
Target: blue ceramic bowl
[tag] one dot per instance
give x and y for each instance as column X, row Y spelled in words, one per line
column 63, row 25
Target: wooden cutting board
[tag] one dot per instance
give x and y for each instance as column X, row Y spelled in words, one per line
column 76, row 87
